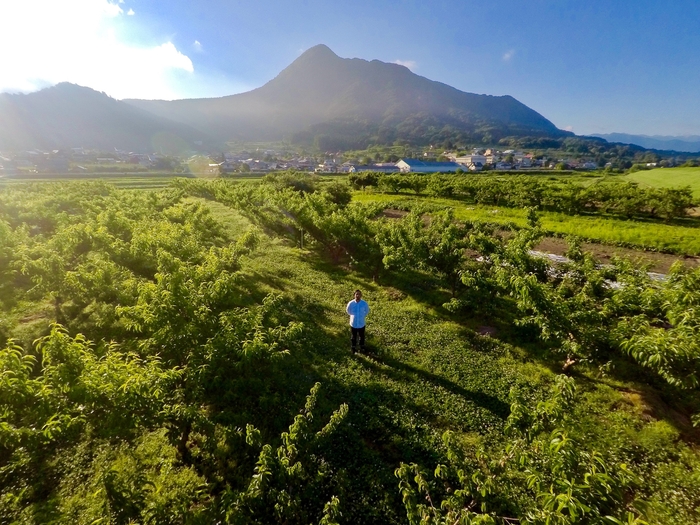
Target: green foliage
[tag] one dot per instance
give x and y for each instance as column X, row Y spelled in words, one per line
column 363, row 179
column 543, row 475
column 574, row 308
column 180, row 410
column 79, row 393
column 625, row 199
column 298, row 181
column 669, row 340
column 288, row 482
column 438, row 247
column 678, row 238
column 391, row 183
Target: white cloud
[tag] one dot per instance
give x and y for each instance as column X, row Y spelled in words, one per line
column 569, row 128
column 130, row 12
column 197, row 45
column 410, row 64
column 43, row 42
column 508, row 55
column 111, row 9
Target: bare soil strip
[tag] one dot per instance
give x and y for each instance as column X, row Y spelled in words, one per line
column 657, row 262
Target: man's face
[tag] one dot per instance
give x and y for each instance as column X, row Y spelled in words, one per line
column 358, row 296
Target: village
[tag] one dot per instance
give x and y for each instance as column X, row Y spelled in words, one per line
column 428, row 162
column 83, row 162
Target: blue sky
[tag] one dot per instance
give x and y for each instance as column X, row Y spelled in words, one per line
column 591, row 66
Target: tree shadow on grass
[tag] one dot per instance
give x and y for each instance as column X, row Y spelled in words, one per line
column 400, row 371
column 370, row 444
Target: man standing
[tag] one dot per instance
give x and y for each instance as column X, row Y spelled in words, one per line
column 357, row 309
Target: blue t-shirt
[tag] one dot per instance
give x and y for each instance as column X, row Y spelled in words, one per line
column 357, row 310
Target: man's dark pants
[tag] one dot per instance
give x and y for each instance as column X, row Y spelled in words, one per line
column 358, row 332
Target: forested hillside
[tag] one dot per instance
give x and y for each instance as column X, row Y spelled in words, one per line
column 340, row 103
column 182, row 356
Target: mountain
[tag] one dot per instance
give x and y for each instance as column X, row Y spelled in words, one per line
column 331, row 102
column 687, row 144
column 321, row 94
column 66, row 115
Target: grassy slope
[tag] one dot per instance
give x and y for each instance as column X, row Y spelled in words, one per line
column 669, row 178
column 671, row 238
column 426, row 372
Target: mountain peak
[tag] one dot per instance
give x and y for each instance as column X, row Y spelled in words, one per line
column 69, row 86
column 317, row 57
column 319, row 51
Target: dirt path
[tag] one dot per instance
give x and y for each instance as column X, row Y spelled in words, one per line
column 659, row 262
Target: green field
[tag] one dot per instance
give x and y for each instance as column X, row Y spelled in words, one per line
column 130, row 181
column 212, row 325
column 671, row 238
column 668, row 178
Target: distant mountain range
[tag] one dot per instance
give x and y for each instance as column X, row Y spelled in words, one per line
column 66, row 115
column 320, row 98
column 687, row 144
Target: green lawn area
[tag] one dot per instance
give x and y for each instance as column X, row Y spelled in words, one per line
column 671, row 238
column 668, row 178
column 146, row 181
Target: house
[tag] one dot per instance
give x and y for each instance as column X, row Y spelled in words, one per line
column 421, row 166
column 474, row 158
column 328, row 166
column 259, row 165
column 345, row 167
column 304, row 164
column 525, row 161
column 228, row 166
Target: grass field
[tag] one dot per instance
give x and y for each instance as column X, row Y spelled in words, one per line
column 146, row 181
column 668, row 178
column 671, row 238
